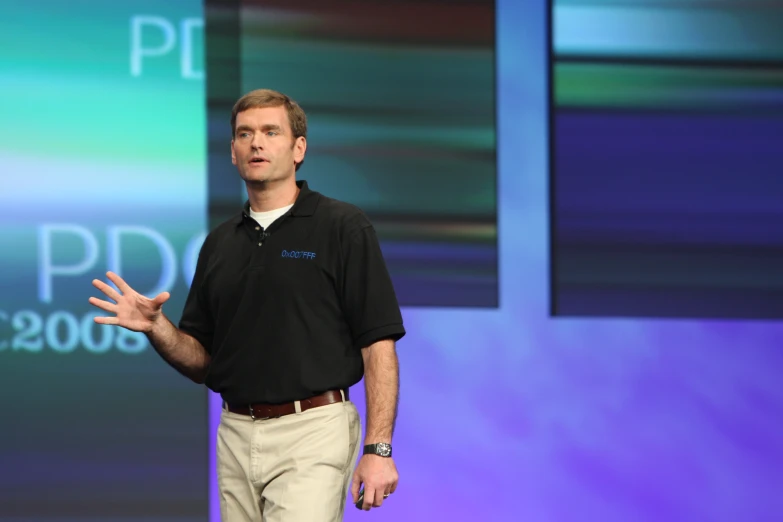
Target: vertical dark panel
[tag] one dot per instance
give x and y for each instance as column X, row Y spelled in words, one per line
column 400, row 98
column 224, row 83
column 666, row 162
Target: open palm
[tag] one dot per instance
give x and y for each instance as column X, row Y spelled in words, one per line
column 131, row 310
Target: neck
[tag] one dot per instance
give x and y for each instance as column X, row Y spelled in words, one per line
column 271, row 195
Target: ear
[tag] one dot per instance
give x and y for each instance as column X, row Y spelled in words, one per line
column 300, row 147
column 233, row 154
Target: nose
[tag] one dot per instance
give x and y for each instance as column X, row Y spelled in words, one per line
column 257, row 142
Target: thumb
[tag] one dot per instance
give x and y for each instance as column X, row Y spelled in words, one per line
column 161, row 298
column 355, row 487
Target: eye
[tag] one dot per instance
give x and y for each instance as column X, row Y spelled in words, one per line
column 244, row 134
column 271, row 133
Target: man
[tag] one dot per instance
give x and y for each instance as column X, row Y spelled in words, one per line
column 291, row 303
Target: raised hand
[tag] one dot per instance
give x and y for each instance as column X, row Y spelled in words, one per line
column 132, row 310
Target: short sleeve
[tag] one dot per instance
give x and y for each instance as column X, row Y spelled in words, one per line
column 197, row 320
column 368, row 297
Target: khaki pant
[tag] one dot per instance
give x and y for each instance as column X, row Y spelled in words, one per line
column 296, row 468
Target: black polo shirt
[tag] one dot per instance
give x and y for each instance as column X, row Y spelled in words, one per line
column 285, row 312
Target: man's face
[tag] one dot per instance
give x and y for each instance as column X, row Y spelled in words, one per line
column 263, row 148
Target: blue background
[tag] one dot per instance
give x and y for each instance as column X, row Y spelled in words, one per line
column 506, row 414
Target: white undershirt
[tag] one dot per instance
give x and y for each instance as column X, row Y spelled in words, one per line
column 267, row 218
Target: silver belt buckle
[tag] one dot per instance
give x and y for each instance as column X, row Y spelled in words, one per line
column 253, row 414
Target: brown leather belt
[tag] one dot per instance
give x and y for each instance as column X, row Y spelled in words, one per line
column 273, row 411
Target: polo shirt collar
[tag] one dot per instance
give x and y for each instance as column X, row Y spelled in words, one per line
column 305, row 203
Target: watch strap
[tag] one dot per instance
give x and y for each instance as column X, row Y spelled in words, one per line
column 382, row 449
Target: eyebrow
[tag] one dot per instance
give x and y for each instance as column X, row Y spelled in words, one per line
column 267, row 127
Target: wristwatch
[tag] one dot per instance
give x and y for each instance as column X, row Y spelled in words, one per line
column 382, row 449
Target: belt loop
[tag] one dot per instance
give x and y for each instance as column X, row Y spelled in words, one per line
column 225, row 406
column 298, row 407
column 342, row 394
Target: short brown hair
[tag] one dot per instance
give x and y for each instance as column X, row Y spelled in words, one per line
column 268, row 98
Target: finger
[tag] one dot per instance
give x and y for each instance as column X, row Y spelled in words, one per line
column 120, row 282
column 103, row 305
column 355, row 485
column 161, row 298
column 369, row 497
column 378, row 498
column 110, row 292
column 107, row 320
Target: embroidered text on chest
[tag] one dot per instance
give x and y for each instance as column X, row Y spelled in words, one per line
column 298, row 254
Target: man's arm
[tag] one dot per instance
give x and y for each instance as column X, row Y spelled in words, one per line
column 372, row 312
column 137, row 313
column 182, row 351
column 381, row 385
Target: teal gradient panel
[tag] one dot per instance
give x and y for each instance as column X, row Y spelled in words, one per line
column 101, row 167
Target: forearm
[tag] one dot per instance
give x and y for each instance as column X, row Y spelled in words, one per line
column 183, row 352
column 381, row 383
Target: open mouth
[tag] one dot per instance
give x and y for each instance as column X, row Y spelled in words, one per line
column 258, row 160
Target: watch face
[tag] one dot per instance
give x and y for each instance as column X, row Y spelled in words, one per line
column 384, row 450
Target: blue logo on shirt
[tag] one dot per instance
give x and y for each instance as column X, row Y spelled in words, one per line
column 298, row 254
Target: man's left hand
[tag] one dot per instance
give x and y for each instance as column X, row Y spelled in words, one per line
column 379, row 476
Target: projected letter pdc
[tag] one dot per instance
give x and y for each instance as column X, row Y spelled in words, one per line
column 48, row 268
column 62, row 331
column 155, row 36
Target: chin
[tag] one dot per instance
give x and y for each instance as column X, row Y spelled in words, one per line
column 255, row 177
column 257, row 181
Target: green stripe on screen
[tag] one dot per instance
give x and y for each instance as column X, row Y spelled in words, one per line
column 621, row 85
